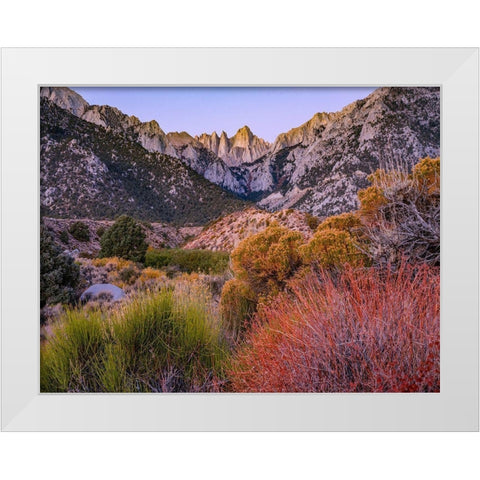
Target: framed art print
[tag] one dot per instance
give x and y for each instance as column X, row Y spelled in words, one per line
column 212, row 239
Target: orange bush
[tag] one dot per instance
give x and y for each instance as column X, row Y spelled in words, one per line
column 267, row 259
column 362, row 331
column 349, row 222
column 427, row 173
column 338, row 240
column 333, row 248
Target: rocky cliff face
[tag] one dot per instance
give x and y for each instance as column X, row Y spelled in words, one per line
column 335, row 153
column 317, row 167
column 193, row 152
column 243, row 147
column 147, row 134
column 89, row 171
column 66, row 99
column 304, row 134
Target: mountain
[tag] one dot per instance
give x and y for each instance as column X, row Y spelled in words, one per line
column 304, row 134
column 317, row 167
column 320, row 166
column 209, row 159
column 243, row 147
column 89, row 170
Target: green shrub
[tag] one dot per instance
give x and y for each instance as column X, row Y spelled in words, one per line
column 333, row 248
column 100, row 231
column 203, row 261
column 161, row 342
column 69, row 361
column 59, row 275
column 124, row 239
column 64, row 237
column 79, row 231
column 147, row 224
column 129, row 275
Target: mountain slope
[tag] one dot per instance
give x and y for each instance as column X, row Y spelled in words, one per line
column 317, row 167
column 211, row 159
column 91, row 171
column 226, row 233
column 320, row 166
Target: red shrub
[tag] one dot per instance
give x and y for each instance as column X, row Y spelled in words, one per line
column 361, row 331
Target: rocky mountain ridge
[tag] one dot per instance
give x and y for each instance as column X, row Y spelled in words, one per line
column 320, row 166
column 317, row 167
column 209, row 155
column 90, row 171
column 243, row 147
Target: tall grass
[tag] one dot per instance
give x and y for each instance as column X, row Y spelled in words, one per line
column 359, row 331
column 168, row 340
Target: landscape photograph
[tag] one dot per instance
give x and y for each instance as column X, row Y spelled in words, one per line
column 239, row 239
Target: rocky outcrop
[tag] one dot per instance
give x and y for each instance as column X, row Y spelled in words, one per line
column 66, row 99
column 304, row 134
column 243, row 147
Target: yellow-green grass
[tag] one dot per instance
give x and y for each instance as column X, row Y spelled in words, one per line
column 168, row 340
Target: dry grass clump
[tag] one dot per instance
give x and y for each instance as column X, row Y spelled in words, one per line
column 358, row 331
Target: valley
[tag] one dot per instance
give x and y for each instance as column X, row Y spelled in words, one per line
column 179, row 262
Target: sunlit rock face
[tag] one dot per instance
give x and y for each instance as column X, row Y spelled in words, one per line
column 65, row 98
column 320, row 166
column 243, row 147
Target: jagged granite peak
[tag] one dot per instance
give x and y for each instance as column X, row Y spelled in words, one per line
column 223, row 146
column 148, row 134
column 65, row 98
column 243, row 137
column 90, row 171
column 317, row 167
column 305, row 133
column 243, row 147
column 178, row 139
column 193, row 153
column 392, row 126
column 209, row 141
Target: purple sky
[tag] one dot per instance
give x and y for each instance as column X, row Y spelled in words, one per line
column 267, row 111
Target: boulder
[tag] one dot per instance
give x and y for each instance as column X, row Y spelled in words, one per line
column 102, row 291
